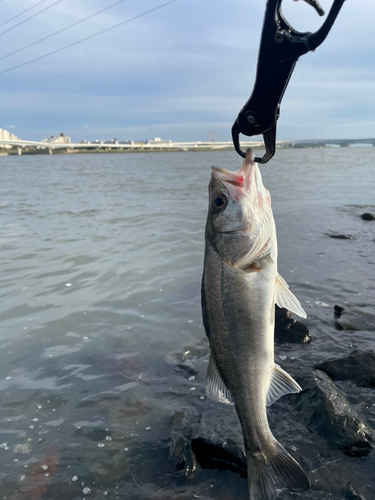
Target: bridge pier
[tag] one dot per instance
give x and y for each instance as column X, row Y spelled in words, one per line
column 19, row 151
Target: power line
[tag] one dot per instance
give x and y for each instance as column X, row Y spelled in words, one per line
column 23, row 12
column 88, row 37
column 61, row 30
column 28, row 18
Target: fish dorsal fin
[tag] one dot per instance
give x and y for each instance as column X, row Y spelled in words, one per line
column 215, row 387
column 281, row 383
column 285, row 298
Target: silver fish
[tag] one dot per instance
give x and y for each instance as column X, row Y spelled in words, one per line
column 240, row 287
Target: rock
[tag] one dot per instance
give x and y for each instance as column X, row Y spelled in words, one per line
column 186, row 363
column 342, row 236
column 338, row 310
column 181, row 454
column 355, row 318
column 329, row 414
column 179, row 418
column 218, row 441
column 288, row 330
column 350, row 493
column 368, row 216
column 359, row 367
column 107, row 463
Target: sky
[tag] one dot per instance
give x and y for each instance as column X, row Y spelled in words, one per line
column 178, row 72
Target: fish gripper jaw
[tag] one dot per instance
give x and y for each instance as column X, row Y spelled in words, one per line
column 280, row 48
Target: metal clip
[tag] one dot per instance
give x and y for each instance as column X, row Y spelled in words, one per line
column 280, row 48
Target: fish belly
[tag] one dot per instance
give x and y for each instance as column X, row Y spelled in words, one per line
column 240, row 310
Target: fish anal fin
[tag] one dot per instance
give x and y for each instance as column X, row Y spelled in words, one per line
column 273, row 472
column 281, row 383
column 285, row 298
column 215, row 387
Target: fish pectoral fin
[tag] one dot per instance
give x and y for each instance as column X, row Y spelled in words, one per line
column 215, row 387
column 258, row 265
column 281, row 383
column 285, row 298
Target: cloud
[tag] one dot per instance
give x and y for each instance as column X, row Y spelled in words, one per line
column 182, row 71
column 10, row 126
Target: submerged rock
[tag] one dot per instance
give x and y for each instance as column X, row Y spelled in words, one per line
column 107, row 461
column 218, row 441
column 329, row 414
column 288, row 330
column 181, row 454
column 359, row 367
column 350, row 493
column 368, row 216
column 342, row 236
column 187, row 362
column 355, row 318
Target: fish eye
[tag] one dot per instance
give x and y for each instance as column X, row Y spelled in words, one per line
column 219, row 203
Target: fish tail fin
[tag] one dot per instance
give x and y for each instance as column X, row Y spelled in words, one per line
column 271, row 473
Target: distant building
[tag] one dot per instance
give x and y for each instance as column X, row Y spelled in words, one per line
column 158, row 141
column 63, row 139
column 7, row 136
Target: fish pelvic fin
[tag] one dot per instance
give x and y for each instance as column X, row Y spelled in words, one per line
column 215, row 387
column 285, row 298
column 271, row 473
column 281, row 383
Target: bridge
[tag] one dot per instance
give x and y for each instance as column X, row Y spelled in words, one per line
column 174, row 146
column 318, row 143
column 131, row 146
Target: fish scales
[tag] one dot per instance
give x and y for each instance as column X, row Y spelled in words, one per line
column 240, row 286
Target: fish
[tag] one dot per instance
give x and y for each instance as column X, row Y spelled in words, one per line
column 240, row 287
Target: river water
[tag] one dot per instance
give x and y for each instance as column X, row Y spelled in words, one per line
column 101, row 261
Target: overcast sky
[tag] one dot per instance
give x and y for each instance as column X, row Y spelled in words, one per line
column 178, row 72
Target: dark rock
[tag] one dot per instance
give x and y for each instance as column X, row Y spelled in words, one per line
column 180, row 450
column 288, row 330
column 333, row 476
column 185, row 369
column 338, row 311
column 355, row 318
column 330, row 415
column 181, row 454
column 187, row 362
column 179, row 418
column 359, row 367
column 368, row 216
column 350, row 493
column 218, row 441
column 342, row 236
